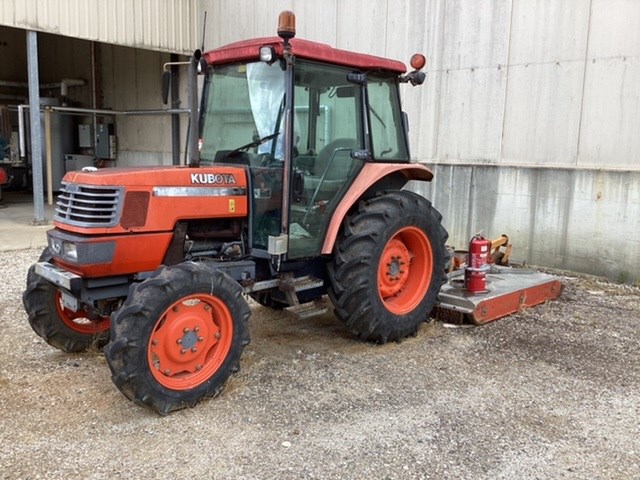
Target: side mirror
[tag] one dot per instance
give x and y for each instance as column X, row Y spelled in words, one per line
column 166, row 85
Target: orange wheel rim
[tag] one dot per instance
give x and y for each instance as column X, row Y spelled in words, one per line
column 190, row 341
column 79, row 321
column 405, row 269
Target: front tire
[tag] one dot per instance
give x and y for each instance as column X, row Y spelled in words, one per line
column 178, row 337
column 388, row 266
column 60, row 327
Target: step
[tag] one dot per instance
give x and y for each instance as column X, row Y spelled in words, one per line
column 309, row 309
column 300, row 284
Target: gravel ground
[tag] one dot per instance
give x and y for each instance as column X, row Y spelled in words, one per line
column 552, row 392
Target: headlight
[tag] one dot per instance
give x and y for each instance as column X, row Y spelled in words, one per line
column 55, row 245
column 267, row 54
column 70, row 250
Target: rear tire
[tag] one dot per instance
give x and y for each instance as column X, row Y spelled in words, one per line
column 178, row 337
column 388, row 266
column 60, row 327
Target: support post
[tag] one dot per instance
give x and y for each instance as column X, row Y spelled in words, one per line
column 36, row 134
column 49, row 154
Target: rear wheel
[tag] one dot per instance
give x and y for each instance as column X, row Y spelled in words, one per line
column 388, row 266
column 178, row 337
column 59, row 326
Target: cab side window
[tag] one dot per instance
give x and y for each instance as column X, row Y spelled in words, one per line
column 387, row 132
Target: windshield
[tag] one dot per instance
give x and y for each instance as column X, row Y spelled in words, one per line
column 242, row 106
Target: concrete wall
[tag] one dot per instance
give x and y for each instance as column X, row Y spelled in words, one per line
column 530, row 115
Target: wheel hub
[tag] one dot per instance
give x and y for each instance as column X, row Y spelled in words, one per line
column 404, row 271
column 394, row 268
column 184, row 339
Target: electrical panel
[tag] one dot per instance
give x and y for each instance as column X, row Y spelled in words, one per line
column 85, row 136
column 106, row 141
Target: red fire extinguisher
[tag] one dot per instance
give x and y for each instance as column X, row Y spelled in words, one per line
column 475, row 275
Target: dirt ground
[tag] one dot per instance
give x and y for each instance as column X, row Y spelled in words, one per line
column 550, row 393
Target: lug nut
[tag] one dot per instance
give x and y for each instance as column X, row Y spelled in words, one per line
column 198, row 367
column 200, row 339
column 185, row 330
column 154, row 342
column 183, row 351
column 167, row 372
column 194, row 349
column 179, row 341
column 196, row 329
column 217, row 335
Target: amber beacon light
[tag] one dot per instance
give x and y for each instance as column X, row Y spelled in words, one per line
column 287, row 25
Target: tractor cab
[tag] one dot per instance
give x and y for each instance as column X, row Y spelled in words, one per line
column 303, row 118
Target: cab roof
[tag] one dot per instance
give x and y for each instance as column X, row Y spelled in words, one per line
column 248, row 50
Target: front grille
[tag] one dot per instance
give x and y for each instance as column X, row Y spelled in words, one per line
column 89, row 205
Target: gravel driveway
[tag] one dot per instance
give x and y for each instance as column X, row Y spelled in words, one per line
column 552, row 392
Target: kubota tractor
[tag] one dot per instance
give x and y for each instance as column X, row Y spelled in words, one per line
column 294, row 189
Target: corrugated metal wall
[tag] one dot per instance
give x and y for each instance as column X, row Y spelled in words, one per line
column 530, row 115
column 164, row 25
column 518, row 82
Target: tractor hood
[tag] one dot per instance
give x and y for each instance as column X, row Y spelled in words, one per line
column 159, row 176
column 121, row 200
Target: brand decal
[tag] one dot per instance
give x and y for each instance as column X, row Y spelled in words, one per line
column 213, row 178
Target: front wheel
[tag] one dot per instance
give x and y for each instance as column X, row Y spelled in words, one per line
column 59, row 326
column 388, row 266
column 178, row 337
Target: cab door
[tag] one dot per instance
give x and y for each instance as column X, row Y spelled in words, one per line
column 328, row 128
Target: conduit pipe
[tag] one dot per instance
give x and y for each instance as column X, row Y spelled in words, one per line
column 83, row 111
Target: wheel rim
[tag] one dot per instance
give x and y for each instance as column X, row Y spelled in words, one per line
column 79, row 321
column 405, row 269
column 190, row 341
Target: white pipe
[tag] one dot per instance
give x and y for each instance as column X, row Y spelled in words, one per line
column 7, row 83
column 69, row 82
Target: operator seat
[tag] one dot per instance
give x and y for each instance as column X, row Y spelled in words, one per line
column 331, row 167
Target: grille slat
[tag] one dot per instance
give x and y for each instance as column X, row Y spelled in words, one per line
column 79, row 199
column 89, row 206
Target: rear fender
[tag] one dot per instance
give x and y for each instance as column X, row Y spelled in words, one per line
column 370, row 174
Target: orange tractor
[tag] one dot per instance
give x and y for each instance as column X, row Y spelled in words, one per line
column 294, row 189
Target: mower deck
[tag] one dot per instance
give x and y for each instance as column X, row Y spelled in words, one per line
column 509, row 290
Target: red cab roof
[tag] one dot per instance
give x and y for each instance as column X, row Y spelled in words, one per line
column 248, row 50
